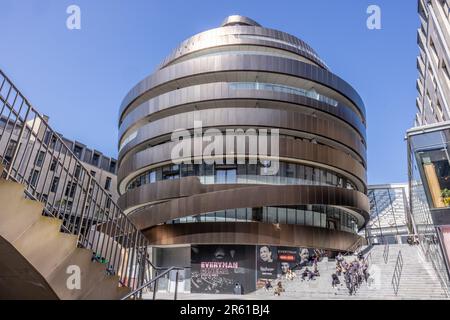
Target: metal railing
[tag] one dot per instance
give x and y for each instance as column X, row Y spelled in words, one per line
column 396, row 277
column 354, row 247
column 368, row 259
column 152, row 286
column 386, row 252
column 33, row 154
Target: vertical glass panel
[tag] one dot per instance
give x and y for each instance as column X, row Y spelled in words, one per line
column 282, row 215
column 308, row 175
column 241, row 214
column 230, row 215
column 152, row 177
column 220, row 216
column 249, row 214
column 271, row 215
column 231, row 176
column 323, row 220
column 241, row 173
column 210, row 217
column 317, row 217
column 208, row 173
column 308, row 218
column 291, row 214
column 300, row 216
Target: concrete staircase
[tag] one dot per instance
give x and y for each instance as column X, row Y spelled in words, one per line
column 418, row 280
column 35, row 255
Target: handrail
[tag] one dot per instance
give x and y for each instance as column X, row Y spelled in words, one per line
column 138, row 291
column 368, row 259
column 354, row 247
column 35, row 155
column 396, row 277
column 386, row 252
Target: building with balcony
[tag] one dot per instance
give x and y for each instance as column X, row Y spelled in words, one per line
column 433, row 62
column 428, row 158
column 38, row 163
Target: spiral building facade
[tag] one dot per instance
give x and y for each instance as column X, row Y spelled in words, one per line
column 242, row 75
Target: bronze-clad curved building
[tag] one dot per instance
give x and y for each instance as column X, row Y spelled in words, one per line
column 242, row 75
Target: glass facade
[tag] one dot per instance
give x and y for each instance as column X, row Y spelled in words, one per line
column 308, row 215
column 288, row 174
column 429, row 175
column 388, row 214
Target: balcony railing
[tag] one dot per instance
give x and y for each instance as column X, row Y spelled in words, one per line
column 33, row 154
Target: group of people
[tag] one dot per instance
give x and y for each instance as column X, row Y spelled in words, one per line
column 413, row 240
column 311, row 275
column 355, row 273
column 98, row 258
column 290, row 275
column 211, row 283
column 277, row 290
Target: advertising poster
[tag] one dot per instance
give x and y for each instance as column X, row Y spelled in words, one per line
column 224, row 269
column 267, row 263
column 288, row 258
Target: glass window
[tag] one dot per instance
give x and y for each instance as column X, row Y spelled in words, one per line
column 308, row 218
column 210, row 217
column 70, row 190
column 77, row 172
column 54, row 184
column 187, row 170
column 171, row 172
column 108, row 183
column 221, row 176
column 282, row 218
column 323, row 220
column 152, row 177
column 291, row 216
column 34, row 178
column 300, row 216
column 272, row 215
column 230, row 215
column 241, row 214
column 225, row 175
column 112, row 167
column 95, row 159
column 78, row 150
column 220, row 216
column 308, row 175
column 40, row 159
column 10, row 150
column 317, row 217
column 53, row 165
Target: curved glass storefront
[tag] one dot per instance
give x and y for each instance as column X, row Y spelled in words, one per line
column 307, row 215
column 288, row 174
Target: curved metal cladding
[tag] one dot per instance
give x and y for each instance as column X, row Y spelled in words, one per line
column 242, row 76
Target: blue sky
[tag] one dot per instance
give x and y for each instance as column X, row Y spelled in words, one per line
column 79, row 77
